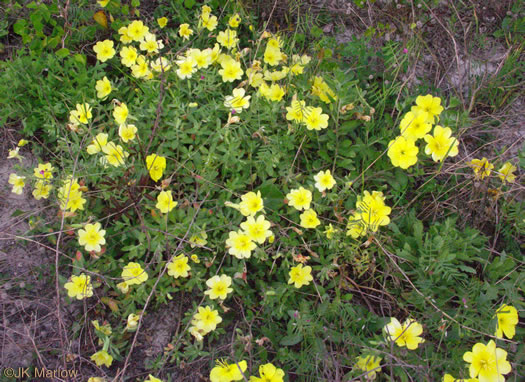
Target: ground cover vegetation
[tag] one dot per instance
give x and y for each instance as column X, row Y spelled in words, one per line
column 227, row 191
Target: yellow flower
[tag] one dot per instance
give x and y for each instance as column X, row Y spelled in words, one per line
column 141, row 68
column 44, row 171
column 81, row 115
column 269, row 373
column 123, row 287
column 276, row 75
column 92, row 237
column 128, row 56
column 231, row 70
column 442, row 144
column 274, row 93
column 507, row 320
column 487, row 362
column 161, row 64
column 70, row 192
column 240, row 245
column 373, row 212
column 324, row 180
column 22, row 142
column 150, row 43
column 505, row 173
column 104, row 329
column 225, row 372
column 355, row 227
column 162, row 21
column 156, row 165
column 195, row 258
column 103, row 3
column 414, row 125
column 234, row 21
column 370, row 364
column 321, row 89
column 165, row 202
column 482, row 167
column 406, row 334
column 151, row 378
column 430, row 105
column 178, row 267
column 202, row 57
column 120, row 113
column 137, row 30
column 96, row 379
column 237, row 101
column 450, row 378
column 297, row 69
column 219, row 287
column 127, row 132
column 299, row 198
column 227, row 38
column 115, row 154
column 133, row 274
column 42, row 190
column 300, row 276
column 124, row 37
column 132, row 322
column 257, row 230
column 330, row 230
column 315, row 119
column 272, row 56
column 98, row 143
column 198, row 239
column 309, row 219
column 103, row 88
column 296, row 111
column 209, row 21
column 206, row 319
column 251, row 203
column 79, row 287
column 186, row 68
column 102, row 358
column 104, row 50
column 197, row 333
column 402, row 152
column 185, row 31
column 13, row 154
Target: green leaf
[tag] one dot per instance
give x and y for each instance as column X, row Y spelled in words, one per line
column 61, row 53
column 273, row 197
column 20, row 26
column 17, row 213
column 189, row 3
column 291, row 340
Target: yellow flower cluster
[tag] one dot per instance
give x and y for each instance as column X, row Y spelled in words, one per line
column 226, row 372
column 406, row 334
column 417, row 124
column 254, row 230
column 70, row 195
column 487, row 362
column 483, row 168
column 312, row 117
column 321, row 89
column 115, row 154
column 204, row 322
column 372, row 212
column 370, row 364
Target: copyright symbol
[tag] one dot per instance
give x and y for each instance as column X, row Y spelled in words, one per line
column 9, row 372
